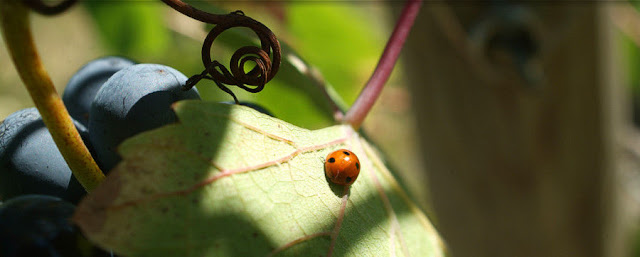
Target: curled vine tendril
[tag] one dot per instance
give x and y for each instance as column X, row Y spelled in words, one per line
column 41, row 7
column 266, row 58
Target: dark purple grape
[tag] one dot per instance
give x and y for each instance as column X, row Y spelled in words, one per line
column 83, row 86
column 135, row 99
column 30, row 162
column 40, row 226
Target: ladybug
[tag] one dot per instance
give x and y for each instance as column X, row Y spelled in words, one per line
column 342, row 167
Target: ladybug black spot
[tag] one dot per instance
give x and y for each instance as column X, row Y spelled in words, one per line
column 331, row 160
column 358, row 165
column 348, row 179
column 346, row 153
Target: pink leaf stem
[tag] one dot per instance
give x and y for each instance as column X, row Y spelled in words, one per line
column 373, row 88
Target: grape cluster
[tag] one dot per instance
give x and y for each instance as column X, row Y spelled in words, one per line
column 30, row 162
column 40, row 226
column 109, row 100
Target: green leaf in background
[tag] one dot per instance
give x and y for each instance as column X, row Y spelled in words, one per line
column 296, row 97
column 337, row 39
column 229, row 181
column 292, row 95
column 343, row 40
column 132, row 28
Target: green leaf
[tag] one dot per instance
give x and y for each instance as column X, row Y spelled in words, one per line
column 344, row 41
column 229, row 181
column 337, row 45
column 132, row 28
column 307, row 103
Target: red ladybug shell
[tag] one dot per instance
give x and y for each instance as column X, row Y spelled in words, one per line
column 342, row 167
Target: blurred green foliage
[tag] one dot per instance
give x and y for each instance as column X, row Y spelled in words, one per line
column 341, row 40
column 631, row 54
column 131, row 28
column 338, row 39
column 631, row 64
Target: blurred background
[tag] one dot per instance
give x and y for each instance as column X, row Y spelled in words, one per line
column 525, row 117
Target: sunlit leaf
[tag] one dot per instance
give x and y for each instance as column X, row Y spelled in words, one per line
column 229, row 181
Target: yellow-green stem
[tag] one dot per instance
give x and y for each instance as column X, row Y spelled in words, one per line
column 14, row 18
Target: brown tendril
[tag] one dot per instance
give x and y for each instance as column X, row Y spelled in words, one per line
column 41, row 7
column 266, row 58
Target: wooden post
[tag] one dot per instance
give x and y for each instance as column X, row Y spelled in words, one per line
column 518, row 153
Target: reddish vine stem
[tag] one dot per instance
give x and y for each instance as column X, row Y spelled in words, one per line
column 363, row 104
column 265, row 68
column 196, row 14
